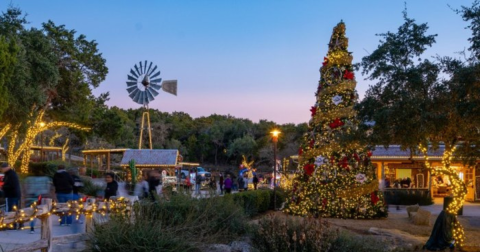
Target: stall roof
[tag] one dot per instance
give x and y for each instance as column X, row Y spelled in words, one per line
column 146, row 158
column 393, row 152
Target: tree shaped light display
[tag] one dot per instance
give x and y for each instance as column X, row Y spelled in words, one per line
column 335, row 177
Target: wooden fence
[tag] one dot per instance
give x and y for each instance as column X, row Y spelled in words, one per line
column 48, row 208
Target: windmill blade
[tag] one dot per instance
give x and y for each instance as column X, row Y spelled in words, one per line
column 141, row 98
column 156, row 80
column 156, row 74
column 145, row 67
column 153, row 70
column 149, row 95
column 133, row 73
column 141, row 68
column 131, row 78
column 152, row 91
column 136, row 68
column 134, row 93
column 170, row 86
column 131, row 89
column 149, row 67
column 131, row 83
column 156, row 86
column 136, row 98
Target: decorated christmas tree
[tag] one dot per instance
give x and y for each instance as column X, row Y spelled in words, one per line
column 335, row 177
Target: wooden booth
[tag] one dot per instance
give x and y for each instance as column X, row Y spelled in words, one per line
column 164, row 160
column 399, row 170
column 101, row 158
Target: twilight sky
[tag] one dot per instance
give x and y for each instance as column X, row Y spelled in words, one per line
column 256, row 59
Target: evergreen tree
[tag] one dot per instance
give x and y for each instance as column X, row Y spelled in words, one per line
column 335, row 177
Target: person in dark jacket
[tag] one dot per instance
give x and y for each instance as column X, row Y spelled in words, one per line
column 255, row 181
column 153, row 183
column 11, row 187
column 112, row 186
column 63, row 183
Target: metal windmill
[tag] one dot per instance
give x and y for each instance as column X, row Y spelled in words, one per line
column 142, row 85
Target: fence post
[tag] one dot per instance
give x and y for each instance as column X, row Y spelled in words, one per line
column 46, row 231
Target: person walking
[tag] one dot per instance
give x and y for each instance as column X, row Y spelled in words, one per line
column 220, row 182
column 245, row 181
column 198, row 182
column 228, row 184
column 153, row 184
column 255, row 181
column 11, row 188
column 63, row 183
column 112, row 185
column 240, row 183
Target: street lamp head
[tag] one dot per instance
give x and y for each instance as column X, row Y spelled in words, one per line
column 275, row 134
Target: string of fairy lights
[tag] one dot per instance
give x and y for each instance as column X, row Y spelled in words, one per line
column 459, row 190
column 72, row 208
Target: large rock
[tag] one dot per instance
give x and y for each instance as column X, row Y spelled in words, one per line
column 396, row 240
column 421, row 217
column 216, row 248
column 412, row 209
column 241, row 246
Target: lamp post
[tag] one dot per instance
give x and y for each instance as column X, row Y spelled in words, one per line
column 42, row 124
column 275, row 134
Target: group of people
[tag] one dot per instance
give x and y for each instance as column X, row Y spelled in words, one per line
column 400, row 183
column 228, row 184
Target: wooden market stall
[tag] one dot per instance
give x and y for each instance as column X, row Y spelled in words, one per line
column 101, row 157
column 163, row 160
column 399, row 170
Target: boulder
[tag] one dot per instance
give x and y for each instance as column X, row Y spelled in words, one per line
column 412, row 209
column 241, row 246
column 422, row 217
column 216, row 248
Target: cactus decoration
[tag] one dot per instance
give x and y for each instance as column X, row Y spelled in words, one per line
column 133, row 171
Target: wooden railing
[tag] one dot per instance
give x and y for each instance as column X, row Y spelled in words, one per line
column 47, row 209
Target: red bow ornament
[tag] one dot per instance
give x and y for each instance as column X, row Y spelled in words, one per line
column 348, row 75
column 336, row 123
column 325, row 61
column 313, row 110
column 309, row 169
column 374, row 198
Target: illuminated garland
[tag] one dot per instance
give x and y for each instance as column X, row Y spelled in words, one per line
column 336, row 113
column 355, row 192
column 459, row 190
column 345, row 86
column 71, row 208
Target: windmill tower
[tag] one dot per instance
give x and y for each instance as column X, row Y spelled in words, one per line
column 143, row 85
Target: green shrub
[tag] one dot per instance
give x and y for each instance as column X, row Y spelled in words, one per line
column 89, row 188
column 408, row 197
column 253, row 202
column 286, row 233
column 181, row 224
column 257, row 201
column 45, row 168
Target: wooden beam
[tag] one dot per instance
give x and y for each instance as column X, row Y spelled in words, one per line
column 32, row 246
column 69, row 238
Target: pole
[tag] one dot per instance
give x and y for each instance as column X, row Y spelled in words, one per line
column 41, row 149
column 274, row 173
